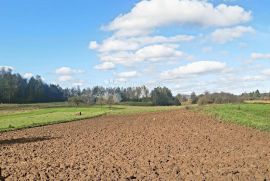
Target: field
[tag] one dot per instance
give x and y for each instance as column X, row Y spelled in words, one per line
column 170, row 145
column 24, row 116
column 251, row 115
column 12, row 117
column 135, row 143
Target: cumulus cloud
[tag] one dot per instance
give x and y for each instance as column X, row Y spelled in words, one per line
column 157, row 52
column 254, row 78
column 150, row 14
column 105, row 66
column 225, row 35
column 132, row 40
column 64, row 78
column 6, row 68
column 193, row 69
column 135, row 38
column 64, row 70
column 130, row 74
column 125, row 58
column 67, row 71
column 27, row 75
column 125, row 76
column 134, row 43
column 148, row 53
column 260, row 56
column 113, row 44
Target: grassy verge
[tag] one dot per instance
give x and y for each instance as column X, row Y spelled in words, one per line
column 14, row 117
column 258, row 102
column 251, row 115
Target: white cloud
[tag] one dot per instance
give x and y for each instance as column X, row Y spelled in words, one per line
column 229, row 34
column 132, row 40
column 105, row 66
column 158, row 52
column 148, row 53
column 258, row 56
column 254, row 78
column 134, row 43
column 124, row 58
column 127, row 75
column 113, row 44
column 27, row 75
column 6, row 68
column 195, row 68
column 64, row 78
column 120, row 80
column 163, row 39
column 150, row 14
column 67, row 71
column 64, row 70
column 135, row 39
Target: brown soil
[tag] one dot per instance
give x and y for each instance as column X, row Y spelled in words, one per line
column 174, row 145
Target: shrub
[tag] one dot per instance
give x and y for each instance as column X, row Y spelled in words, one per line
column 77, row 100
column 219, row 98
column 194, row 98
column 162, row 96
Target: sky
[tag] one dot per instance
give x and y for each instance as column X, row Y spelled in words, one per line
column 186, row 45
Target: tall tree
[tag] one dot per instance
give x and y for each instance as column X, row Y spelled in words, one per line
column 15, row 89
column 162, row 96
column 194, row 98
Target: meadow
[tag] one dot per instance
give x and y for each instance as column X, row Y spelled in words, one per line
column 15, row 116
column 256, row 115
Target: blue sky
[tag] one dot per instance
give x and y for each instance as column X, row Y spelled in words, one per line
column 187, row 45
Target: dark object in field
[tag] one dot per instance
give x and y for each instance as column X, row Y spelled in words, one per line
column 24, row 140
column 2, row 178
column 79, row 114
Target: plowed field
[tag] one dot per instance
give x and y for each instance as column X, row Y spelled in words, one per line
column 171, row 145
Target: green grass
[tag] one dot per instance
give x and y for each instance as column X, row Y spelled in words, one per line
column 14, row 116
column 251, row 115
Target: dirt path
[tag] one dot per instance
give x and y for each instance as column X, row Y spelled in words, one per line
column 175, row 145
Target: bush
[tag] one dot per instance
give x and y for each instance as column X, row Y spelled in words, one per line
column 219, row 98
column 194, row 98
column 76, row 100
column 162, row 96
column 204, row 100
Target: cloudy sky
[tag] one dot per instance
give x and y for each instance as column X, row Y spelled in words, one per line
column 186, row 45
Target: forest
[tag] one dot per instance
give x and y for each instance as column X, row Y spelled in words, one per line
column 16, row 89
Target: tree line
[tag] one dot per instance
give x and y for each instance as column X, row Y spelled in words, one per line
column 224, row 98
column 130, row 95
column 16, row 89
